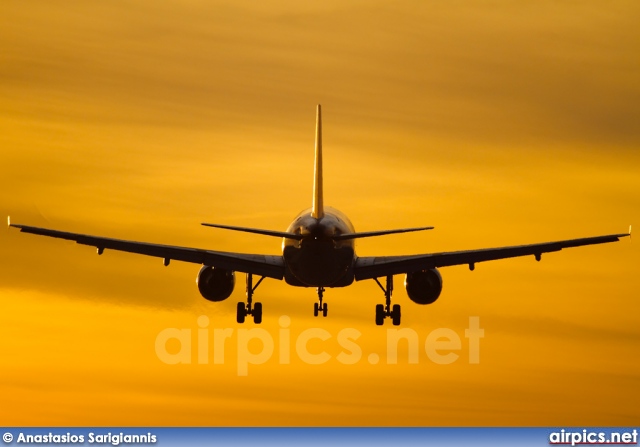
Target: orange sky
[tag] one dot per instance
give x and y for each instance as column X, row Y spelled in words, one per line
column 497, row 122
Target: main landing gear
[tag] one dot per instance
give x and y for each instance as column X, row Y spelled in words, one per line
column 246, row 309
column 320, row 307
column 384, row 311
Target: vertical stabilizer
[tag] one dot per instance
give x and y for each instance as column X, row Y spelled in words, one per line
column 317, row 209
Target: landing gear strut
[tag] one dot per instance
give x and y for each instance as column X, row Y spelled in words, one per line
column 320, row 307
column 384, row 311
column 247, row 309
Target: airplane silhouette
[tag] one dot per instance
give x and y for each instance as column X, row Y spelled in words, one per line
column 318, row 250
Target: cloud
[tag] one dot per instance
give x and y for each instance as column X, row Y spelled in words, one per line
column 497, row 122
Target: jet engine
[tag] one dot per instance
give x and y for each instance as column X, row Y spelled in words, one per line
column 423, row 286
column 215, row 284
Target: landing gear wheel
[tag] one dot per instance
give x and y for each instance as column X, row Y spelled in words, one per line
column 385, row 310
column 257, row 313
column 320, row 306
column 249, row 308
column 380, row 314
column 241, row 312
column 395, row 315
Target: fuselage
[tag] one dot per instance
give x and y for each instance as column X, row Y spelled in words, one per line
column 317, row 260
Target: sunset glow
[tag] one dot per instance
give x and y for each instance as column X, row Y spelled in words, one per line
column 499, row 123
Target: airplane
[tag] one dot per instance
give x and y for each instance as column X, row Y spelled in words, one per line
column 318, row 250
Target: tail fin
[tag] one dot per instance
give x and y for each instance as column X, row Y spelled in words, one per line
column 317, row 209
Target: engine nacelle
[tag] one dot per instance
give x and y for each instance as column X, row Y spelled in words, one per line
column 423, row 286
column 215, row 284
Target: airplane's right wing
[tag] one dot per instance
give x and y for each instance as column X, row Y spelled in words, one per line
column 378, row 266
column 263, row 265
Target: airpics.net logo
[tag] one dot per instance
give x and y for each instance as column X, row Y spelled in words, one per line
column 258, row 346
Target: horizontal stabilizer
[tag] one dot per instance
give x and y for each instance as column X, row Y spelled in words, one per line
column 256, row 231
column 343, row 237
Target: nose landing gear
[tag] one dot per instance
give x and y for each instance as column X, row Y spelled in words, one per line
column 385, row 310
column 320, row 306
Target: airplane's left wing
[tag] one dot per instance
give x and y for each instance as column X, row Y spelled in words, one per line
column 263, row 265
column 378, row 266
